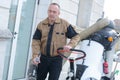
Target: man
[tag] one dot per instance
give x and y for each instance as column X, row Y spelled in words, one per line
column 51, row 34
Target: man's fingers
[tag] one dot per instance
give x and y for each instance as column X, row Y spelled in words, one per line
column 36, row 61
column 67, row 48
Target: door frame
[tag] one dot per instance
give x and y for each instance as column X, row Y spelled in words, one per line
column 13, row 49
column 15, row 39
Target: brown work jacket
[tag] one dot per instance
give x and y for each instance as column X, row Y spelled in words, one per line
column 62, row 30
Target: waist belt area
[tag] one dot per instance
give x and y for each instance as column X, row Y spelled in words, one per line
column 50, row 57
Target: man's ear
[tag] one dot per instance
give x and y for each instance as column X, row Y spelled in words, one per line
column 59, row 13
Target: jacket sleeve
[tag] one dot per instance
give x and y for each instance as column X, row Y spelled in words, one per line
column 73, row 36
column 36, row 43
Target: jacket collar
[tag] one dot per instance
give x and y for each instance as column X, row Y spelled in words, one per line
column 57, row 21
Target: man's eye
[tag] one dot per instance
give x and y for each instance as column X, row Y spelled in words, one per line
column 54, row 11
column 50, row 11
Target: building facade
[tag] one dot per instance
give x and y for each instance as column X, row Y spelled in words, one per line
column 20, row 18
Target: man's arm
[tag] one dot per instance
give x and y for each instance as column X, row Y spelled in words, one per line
column 36, row 43
column 73, row 36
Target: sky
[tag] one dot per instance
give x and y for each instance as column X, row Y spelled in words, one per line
column 112, row 9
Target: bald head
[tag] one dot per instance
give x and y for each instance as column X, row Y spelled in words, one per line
column 55, row 4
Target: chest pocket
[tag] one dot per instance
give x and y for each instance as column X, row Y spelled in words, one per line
column 60, row 36
column 59, row 33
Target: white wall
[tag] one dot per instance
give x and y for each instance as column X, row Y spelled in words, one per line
column 89, row 12
column 4, row 13
column 3, row 45
column 4, row 16
column 5, row 3
column 97, row 10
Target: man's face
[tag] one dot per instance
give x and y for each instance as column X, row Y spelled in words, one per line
column 53, row 12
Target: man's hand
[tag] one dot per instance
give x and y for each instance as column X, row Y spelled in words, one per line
column 36, row 60
column 67, row 48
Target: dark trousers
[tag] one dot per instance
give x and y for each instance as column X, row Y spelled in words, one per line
column 51, row 65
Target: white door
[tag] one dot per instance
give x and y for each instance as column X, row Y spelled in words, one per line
column 21, row 41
